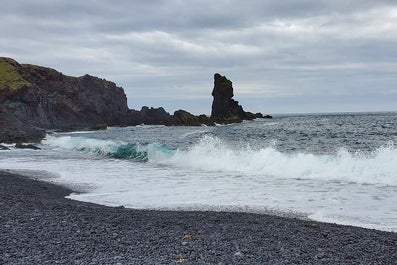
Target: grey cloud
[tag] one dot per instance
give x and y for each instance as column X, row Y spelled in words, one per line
column 169, row 50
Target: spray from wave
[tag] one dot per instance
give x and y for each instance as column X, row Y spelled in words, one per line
column 213, row 154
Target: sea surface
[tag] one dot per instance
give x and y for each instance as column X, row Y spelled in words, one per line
column 339, row 168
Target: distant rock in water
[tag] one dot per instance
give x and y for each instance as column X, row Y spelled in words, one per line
column 2, row 147
column 27, row 146
column 153, row 116
column 224, row 108
column 148, row 116
column 182, row 117
column 205, row 120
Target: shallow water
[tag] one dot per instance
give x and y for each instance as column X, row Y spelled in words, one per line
column 338, row 168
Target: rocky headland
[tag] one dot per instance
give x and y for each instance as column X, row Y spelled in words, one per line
column 34, row 99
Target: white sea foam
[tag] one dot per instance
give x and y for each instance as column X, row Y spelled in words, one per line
column 345, row 188
column 378, row 167
column 212, row 154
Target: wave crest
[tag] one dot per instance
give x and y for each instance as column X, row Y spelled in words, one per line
column 213, row 154
column 113, row 149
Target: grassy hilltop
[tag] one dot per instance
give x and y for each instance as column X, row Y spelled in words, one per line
column 9, row 75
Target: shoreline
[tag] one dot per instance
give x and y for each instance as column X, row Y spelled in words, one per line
column 39, row 225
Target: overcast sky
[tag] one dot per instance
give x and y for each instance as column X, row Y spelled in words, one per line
column 284, row 56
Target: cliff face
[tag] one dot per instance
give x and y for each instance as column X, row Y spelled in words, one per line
column 33, row 98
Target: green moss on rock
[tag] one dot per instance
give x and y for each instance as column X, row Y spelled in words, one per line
column 9, row 75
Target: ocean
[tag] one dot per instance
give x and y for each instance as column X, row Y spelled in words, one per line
column 338, row 168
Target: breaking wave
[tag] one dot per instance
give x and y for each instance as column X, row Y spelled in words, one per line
column 213, row 154
column 113, row 149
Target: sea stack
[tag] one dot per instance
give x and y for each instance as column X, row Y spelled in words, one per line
column 224, row 108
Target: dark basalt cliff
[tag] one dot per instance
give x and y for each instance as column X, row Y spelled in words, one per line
column 35, row 98
column 224, row 108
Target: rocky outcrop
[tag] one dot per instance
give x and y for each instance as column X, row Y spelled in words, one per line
column 224, row 108
column 154, row 116
column 182, row 117
column 205, row 120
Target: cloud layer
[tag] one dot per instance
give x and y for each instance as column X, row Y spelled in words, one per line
column 283, row 56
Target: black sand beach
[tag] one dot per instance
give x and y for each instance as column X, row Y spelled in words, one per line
column 39, row 226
